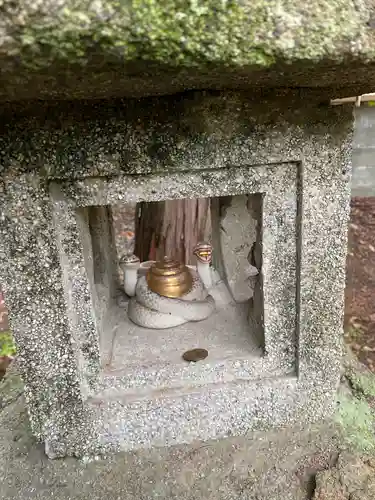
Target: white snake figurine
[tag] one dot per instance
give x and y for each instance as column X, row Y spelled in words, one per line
column 151, row 310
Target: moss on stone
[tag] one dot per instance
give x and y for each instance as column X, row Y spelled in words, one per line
column 7, row 347
column 357, row 423
column 362, row 383
column 187, row 33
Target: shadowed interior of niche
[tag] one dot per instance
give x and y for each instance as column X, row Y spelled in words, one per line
column 173, row 228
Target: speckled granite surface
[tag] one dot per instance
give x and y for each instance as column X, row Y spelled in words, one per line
column 219, row 142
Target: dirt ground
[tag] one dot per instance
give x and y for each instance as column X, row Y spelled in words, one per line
column 259, row 466
column 360, row 281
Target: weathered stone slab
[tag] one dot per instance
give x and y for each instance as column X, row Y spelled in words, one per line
column 238, row 233
column 201, row 130
column 352, row 478
column 86, row 49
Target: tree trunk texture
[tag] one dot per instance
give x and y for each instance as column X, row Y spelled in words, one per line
column 172, row 228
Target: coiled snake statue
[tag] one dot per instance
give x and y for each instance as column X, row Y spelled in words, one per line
column 149, row 309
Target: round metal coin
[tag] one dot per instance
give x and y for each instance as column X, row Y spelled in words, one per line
column 195, row 355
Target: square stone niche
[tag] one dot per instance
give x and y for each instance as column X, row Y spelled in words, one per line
column 137, row 378
column 234, row 331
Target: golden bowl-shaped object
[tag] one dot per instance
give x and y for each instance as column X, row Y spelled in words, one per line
column 169, row 278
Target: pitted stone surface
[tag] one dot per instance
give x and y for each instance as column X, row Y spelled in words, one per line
column 193, row 131
column 214, row 411
column 352, row 478
column 214, row 141
column 238, row 234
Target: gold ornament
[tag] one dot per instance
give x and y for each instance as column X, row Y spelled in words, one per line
column 169, row 278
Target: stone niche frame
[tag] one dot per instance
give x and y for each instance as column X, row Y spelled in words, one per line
column 86, row 163
column 280, row 186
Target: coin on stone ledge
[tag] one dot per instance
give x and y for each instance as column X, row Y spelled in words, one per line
column 195, row 355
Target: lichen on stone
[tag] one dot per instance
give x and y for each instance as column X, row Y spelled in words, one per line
column 358, row 376
column 188, row 33
column 362, row 383
column 357, row 423
column 7, row 347
column 111, row 48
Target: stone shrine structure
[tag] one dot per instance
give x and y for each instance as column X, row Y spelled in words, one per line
column 209, row 119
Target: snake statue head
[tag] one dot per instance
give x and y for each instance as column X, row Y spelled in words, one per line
column 130, row 265
column 203, row 253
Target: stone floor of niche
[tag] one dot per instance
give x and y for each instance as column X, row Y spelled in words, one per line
column 225, row 335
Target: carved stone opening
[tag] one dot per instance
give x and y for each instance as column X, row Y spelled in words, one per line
column 252, row 223
column 232, row 224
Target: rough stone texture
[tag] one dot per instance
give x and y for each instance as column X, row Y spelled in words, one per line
column 190, row 150
column 353, row 478
column 238, row 234
column 190, row 131
column 261, row 466
column 95, row 49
